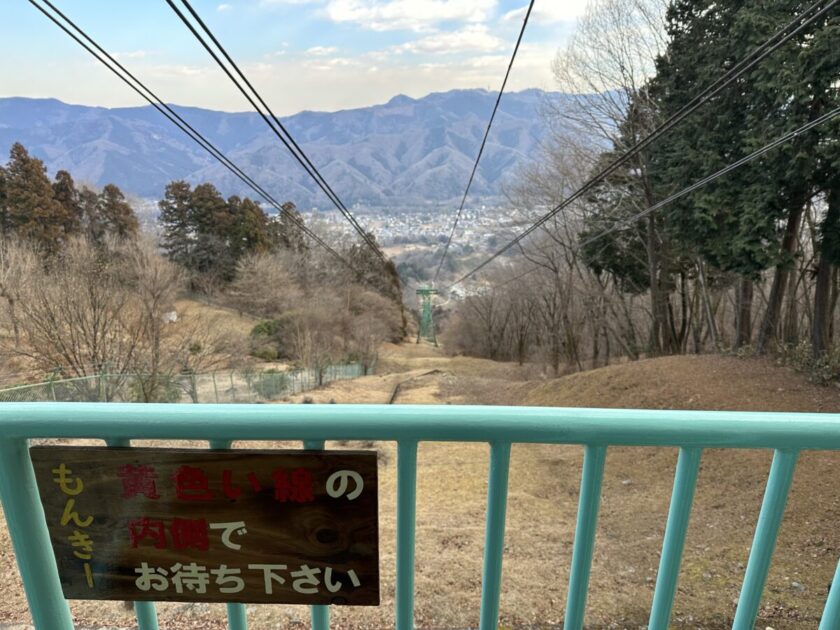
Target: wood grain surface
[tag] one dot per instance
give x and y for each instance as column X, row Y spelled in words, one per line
column 327, row 536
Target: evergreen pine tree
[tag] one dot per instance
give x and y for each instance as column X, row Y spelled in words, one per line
column 817, row 70
column 116, row 214
column 92, row 224
column 32, row 211
column 65, row 193
column 286, row 231
column 249, row 229
column 211, row 221
column 175, row 219
column 737, row 222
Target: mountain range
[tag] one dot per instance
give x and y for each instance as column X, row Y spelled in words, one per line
column 402, row 153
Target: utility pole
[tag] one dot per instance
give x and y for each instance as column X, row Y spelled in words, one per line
column 427, row 322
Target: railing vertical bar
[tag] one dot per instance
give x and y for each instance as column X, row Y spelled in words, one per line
column 831, row 615
column 764, row 541
column 237, row 616
column 320, row 617
column 685, row 482
column 31, row 539
column 146, row 612
column 494, row 539
column 587, row 518
column 406, row 526
column 320, row 614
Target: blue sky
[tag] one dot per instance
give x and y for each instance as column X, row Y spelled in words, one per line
column 300, row 54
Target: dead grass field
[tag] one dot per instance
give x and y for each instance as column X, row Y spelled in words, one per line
column 230, row 319
column 543, row 502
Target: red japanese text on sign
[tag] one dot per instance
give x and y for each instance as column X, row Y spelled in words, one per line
column 248, row 526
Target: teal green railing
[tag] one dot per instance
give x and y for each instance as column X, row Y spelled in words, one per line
column 595, row 429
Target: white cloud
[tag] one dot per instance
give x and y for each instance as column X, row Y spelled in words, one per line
column 223, row 7
column 416, row 15
column 277, row 3
column 321, row 51
column 472, row 38
column 178, row 71
column 289, row 85
column 134, row 54
column 325, row 65
column 550, row 11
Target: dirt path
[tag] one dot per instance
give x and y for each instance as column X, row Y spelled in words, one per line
column 543, row 502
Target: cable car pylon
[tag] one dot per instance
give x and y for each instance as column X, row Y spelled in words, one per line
column 427, row 322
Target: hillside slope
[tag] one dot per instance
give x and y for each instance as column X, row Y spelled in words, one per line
column 688, row 382
column 636, row 494
column 542, row 505
column 406, row 151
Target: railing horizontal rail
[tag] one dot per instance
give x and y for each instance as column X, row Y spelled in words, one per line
column 614, row 427
column 596, row 429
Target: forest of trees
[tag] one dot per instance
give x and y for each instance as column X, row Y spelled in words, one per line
column 49, row 214
column 317, row 310
column 748, row 262
column 86, row 292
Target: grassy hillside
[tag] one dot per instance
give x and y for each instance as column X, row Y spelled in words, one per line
column 543, row 502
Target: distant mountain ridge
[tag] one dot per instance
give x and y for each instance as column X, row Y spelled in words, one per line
column 404, row 152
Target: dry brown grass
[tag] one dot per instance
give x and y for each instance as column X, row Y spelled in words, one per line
column 229, row 319
column 543, row 502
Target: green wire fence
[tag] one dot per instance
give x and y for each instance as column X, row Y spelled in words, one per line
column 222, row 386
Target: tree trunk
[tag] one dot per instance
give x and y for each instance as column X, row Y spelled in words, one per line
column 685, row 318
column 770, row 323
column 10, row 302
column 657, row 312
column 556, row 352
column 832, row 307
column 607, row 348
column 822, row 300
column 790, row 329
column 743, row 313
column 822, row 290
column 707, row 305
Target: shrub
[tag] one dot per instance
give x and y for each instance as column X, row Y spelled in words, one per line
column 821, row 370
column 269, row 339
column 165, row 390
column 264, row 351
column 271, row 384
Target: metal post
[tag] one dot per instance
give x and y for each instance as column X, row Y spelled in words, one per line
column 30, row 538
column 590, row 499
column 831, row 615
column 406, row 525
column 426, row 330
column 494, row 537
column 764, row 541
column 146, row 615
column 685, row 481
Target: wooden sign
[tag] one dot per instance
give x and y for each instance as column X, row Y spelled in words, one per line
column 294, row 527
